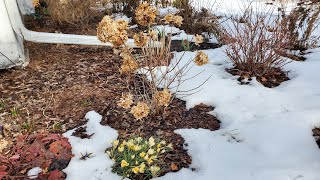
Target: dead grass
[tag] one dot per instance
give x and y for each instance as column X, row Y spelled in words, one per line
column 75, row 12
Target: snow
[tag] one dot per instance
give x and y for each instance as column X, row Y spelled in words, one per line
column 34, row 172
column 98, row 166
column 167, row 10
column 266, row 134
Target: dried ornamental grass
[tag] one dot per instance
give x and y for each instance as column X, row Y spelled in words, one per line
column 75, row 12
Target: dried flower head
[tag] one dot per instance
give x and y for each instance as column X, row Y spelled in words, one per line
column 36, row 3
column 198, row 39
column 178, row 21
column 172, row 19
column 168, row 19
column 146, row 14
column 140, row 39
column 163, row 97
column 153, row 34
column 112, row 31
column 201, row 58
column 140, row 111
column 126, row 101
column 129, row 64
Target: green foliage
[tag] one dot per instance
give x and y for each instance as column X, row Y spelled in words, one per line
column 14, row 112
column 85, row 156
column 138, row 158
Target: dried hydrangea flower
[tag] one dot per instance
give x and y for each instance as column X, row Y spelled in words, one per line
column 126, row 101
column 172, row 19
column 198, row 39
column 163, row 98
column 178, row 21
column 201, row 58
column 36, row 3
column 129, row 64
column 146, row 14
column 140, row 111
column 168, row 19
column 140, row 39
column 112, row 31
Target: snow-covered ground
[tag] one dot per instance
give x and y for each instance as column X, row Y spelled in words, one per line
column 265, row 133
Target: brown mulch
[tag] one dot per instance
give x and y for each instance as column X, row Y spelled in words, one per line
column 316, row 134
column 269, row 80
column 63, row 82
column 46, row 24
column 176, row 116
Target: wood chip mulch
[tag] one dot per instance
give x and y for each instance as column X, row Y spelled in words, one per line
column 63, row 82
column 269, row 80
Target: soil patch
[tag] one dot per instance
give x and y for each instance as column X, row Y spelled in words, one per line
column 176, row 116
column 269, row 80
column 177, row 45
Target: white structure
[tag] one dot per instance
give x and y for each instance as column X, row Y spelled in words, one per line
column 11, row 46
column 13, row 32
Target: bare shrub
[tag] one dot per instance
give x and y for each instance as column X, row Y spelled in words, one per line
column 153, row 77
column 198, row 21
column 75, row 12
column 254, row 44
column 300, row 23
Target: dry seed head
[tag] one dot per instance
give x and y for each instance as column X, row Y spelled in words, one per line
column 153, row 34
column 168, row 18
column 178, row 21
column 201, row 58
column 129, row 64
column 140, row 111
column 140, row 39
column 163, row 98
column 172, row 19
column 146, row 14
column 36, row 3
column 112, row 31
column 198, row 39
column 126, row 101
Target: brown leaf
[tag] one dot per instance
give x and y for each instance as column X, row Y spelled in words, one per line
column 264, row 79
column 174, row 167
column 56, row 175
